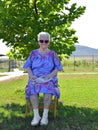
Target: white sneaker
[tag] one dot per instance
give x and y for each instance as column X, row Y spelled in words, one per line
column 44, row 121
column 35, row 121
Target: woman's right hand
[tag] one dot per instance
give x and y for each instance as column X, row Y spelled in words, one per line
column 34, row 77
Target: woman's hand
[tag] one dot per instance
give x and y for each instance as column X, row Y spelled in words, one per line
column 34, row 78
column 49, row 76
column 52, row 74
column 31, row 74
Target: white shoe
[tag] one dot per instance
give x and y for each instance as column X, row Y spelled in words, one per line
column 44, row 121
column 35, row 121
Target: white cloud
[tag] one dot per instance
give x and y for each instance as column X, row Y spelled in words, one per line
column 86, row 25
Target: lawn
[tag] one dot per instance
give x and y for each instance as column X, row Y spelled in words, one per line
column 78, row 111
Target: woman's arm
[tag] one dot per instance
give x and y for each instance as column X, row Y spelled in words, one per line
column 52, row 74
column 29, row 71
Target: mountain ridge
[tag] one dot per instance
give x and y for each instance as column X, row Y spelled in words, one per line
column 84, row 50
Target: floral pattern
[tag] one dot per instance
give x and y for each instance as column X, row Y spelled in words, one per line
column 42, row 66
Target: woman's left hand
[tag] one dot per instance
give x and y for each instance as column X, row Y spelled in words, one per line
column 48, row 76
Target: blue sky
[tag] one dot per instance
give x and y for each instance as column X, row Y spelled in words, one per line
column 86, row 25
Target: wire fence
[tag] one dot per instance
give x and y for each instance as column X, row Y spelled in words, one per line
column 81, row 63
column 10, row 65
column 75, row 63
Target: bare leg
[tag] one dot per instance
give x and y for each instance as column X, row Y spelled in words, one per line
column 35, row 102
column 47, row 101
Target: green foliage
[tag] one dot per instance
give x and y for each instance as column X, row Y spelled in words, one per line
column 21, row 21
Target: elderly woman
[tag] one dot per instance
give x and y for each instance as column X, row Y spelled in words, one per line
column 42, row 66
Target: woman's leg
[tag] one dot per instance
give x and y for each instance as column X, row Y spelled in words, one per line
column 34, row 101
column 47, row 101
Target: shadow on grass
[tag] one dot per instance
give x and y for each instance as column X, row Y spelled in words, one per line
column 12, row 117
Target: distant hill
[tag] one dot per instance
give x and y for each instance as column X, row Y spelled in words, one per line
column 84, row 50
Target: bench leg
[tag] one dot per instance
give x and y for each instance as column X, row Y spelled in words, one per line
column 55, row 106
column 26, row 111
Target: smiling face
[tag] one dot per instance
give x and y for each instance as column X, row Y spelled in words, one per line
column 43, row 41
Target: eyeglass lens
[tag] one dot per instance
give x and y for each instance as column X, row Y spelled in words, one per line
column 42, row 41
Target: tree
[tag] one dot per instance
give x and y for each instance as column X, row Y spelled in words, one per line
column 22, row 20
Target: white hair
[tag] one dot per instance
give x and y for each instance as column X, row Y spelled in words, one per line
column 44, row 34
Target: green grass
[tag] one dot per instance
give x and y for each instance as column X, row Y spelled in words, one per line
column 78, row 111
column 80, row 89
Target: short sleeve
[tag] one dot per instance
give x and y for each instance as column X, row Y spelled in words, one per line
column 28, row 62
column 57, row 62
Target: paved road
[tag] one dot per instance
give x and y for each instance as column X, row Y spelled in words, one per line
column 9, row 75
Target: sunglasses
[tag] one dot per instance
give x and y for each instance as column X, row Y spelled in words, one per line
column 44, row 41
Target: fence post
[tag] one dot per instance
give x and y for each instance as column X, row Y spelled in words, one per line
column 9, row 66
column 92, row 62
column 74, row 62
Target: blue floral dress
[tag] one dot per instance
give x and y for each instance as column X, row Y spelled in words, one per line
column 42, row 65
